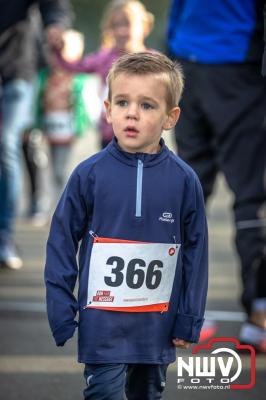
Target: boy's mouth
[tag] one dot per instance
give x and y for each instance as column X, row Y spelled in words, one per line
column 131, row 131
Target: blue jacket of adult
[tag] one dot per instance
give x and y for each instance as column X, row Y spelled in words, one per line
column 122, row 195
column 216, row 32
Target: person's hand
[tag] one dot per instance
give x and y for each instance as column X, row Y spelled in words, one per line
column 180, row 343
column 54, row 35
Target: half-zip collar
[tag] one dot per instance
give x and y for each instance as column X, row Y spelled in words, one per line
column 147, row 159
column 139, row 161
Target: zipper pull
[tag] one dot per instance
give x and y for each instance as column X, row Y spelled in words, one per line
column 165, row 309
column 93, row 234
column 174, row 238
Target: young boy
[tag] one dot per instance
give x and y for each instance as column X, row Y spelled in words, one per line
column 138, row 211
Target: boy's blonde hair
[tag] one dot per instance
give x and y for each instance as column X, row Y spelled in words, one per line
column 146, row 63
column 133, row 7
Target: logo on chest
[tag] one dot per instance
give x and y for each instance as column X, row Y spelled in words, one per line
column 166, row 217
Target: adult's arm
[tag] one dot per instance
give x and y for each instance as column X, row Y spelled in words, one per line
column 57, row 12
column 264, row 53
column 57, row 15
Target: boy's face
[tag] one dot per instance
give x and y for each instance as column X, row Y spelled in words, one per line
column 138, row 112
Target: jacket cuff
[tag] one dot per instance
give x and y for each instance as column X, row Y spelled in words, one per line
column 64, row 332
column 187, row 327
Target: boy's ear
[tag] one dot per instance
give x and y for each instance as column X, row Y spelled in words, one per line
column 107, row 106
column 172, row 118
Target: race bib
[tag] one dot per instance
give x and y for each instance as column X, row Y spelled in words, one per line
column 131, row 276
column 59, row 125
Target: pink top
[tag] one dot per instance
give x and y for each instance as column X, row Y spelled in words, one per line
column 99, row 62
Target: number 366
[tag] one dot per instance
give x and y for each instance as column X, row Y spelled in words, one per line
column 135, row 274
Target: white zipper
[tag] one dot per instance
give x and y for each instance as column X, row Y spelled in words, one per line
column 138, row 212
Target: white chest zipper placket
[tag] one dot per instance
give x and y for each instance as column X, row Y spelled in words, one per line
column 139, row 189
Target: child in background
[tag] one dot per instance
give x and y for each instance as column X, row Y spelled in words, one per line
column 138, row 211
column 62, row 111
column 125, row 26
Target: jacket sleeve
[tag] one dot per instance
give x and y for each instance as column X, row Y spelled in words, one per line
column 194, row 253
column 56, row 12
column 91, row 63
column 67, row 229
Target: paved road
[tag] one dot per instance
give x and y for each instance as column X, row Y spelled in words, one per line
column 31, row 367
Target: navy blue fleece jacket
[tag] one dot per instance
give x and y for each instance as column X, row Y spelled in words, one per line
column 153, row 198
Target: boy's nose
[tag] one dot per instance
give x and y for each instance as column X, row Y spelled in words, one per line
column 132, row 112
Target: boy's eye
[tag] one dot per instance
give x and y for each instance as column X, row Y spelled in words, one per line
column 122, row 103
column 147, row 106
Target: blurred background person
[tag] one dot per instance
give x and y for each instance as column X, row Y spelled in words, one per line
column 264, row 53
column 222, row 126
column 33, row 144
column 17, row 71
column 62, row 109
column 125, row 26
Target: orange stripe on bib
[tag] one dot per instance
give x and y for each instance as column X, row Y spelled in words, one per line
column 162, row 307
